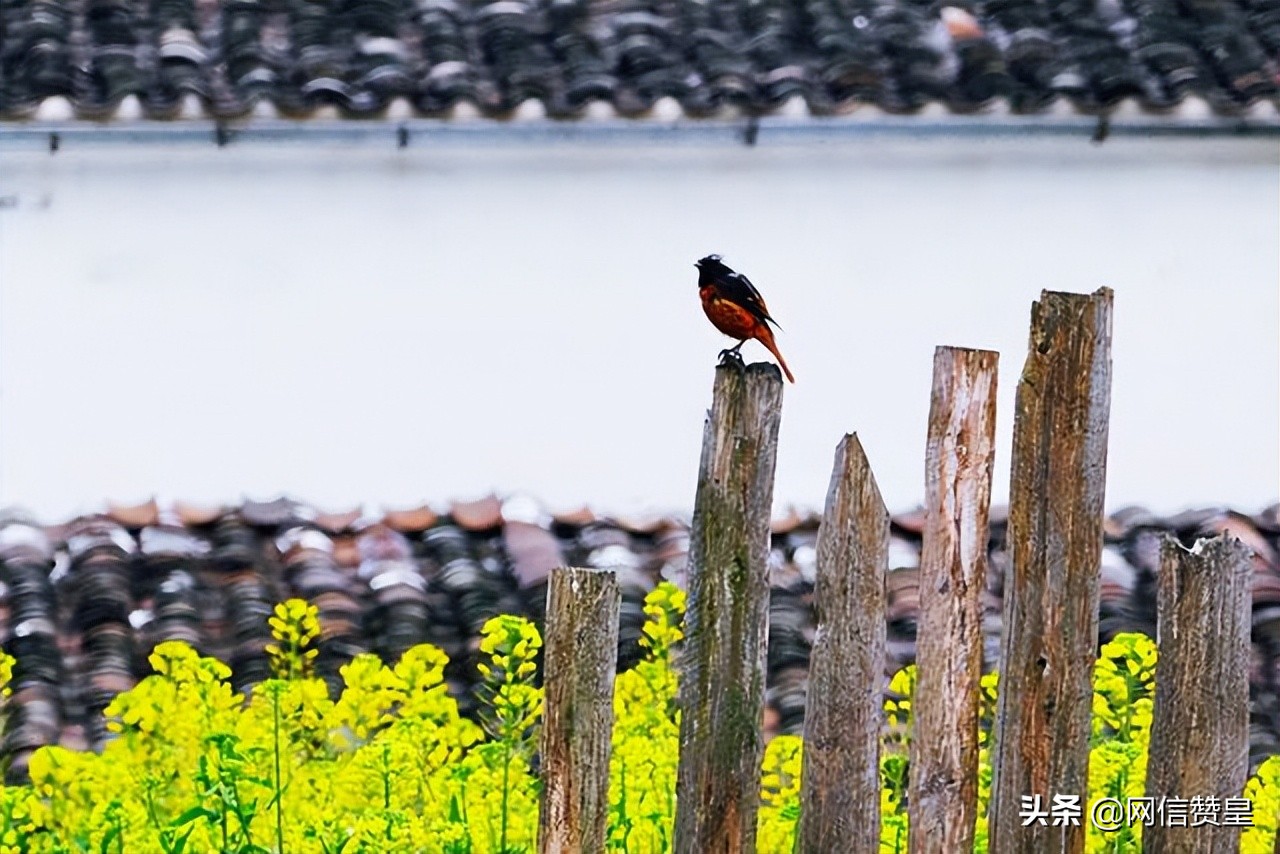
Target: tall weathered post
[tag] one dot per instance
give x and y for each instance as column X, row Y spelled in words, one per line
column 1049, row 634
column 723, row 660
column 844, row 707
column 1200, row 720
column 959, row 454
column 577, row 727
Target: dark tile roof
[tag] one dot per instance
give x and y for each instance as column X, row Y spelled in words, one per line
column 361, row 56
column 83, row 603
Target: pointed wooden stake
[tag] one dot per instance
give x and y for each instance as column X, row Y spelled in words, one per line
column 840, row 785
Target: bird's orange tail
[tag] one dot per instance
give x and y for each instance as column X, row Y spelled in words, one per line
column 765, row 336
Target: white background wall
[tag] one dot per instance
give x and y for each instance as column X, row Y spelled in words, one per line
column 392, row 326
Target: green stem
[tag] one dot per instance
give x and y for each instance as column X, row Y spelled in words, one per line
column 245, row 823
column 222, row 818
column 275, row 711
column 386, row 777
column 466, row 820
column 506, row 790
column 148, row 799
column 622, row 802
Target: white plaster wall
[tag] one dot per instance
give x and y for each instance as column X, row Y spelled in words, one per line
column 352, row 325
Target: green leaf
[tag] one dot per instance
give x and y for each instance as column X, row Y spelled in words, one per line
column 191, row 815
column 181, row 842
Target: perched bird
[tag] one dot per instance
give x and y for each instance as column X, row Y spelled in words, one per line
column 735, row 307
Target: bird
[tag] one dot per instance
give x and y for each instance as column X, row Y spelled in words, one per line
column 735, row 307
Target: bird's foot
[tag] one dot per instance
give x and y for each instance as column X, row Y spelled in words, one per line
column 732, row 355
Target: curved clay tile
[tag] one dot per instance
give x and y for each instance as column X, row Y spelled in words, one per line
column 522, row 507
column 92, row 533
column 1118, row 525
column 346, row 550
column 641, row 523
column 1268, row 520
column 578, row 518
column 1265, row 590
column 300, row 540
column 671, row 544
column 912, row 522
column 902, row 589
column 787, row 522
column 960, row 23
column 20, row 537
column 383, row 543
column 1189, row 521
column 339, row 522
column 271, row 514
column 484, row 514
column 134, row 515
column 1242, row 528
column 533, row 552
column 177, row 610
column 410, row 521
column 171, row 540
column 197, row 515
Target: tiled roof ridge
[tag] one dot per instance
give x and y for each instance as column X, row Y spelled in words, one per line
column 364, row 56
column 491, row 510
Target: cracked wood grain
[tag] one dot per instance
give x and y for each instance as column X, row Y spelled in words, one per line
column 577, row 726
column 1049, row 636
column 1200, row 721
column 959, row 454
column 840, row 778
column 722, row 663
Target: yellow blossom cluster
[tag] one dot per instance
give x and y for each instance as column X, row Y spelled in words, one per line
column 294, row 625
column 646, row 734
column 391, row 766
column 1263, row 790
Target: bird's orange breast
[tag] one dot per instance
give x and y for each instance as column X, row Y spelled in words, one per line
column 727, row 316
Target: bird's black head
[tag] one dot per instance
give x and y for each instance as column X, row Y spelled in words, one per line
column 711, row 268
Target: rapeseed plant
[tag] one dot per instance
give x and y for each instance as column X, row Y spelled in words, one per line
column 391, row 766
column 294, row 625
column 780, row 794
column 1263, row 789
column 646, row 733
column 1123, row 695
column 894, row 760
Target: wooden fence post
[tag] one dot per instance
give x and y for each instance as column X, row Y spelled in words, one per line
column 1049, row 636
column 723, row 660
column 577, row 725
column 1200, row 722
column 960, row 450
column 840, row 780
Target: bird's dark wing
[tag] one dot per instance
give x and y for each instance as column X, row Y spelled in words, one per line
column 738, row 288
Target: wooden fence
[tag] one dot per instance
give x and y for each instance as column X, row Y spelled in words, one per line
column 1048, row 643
